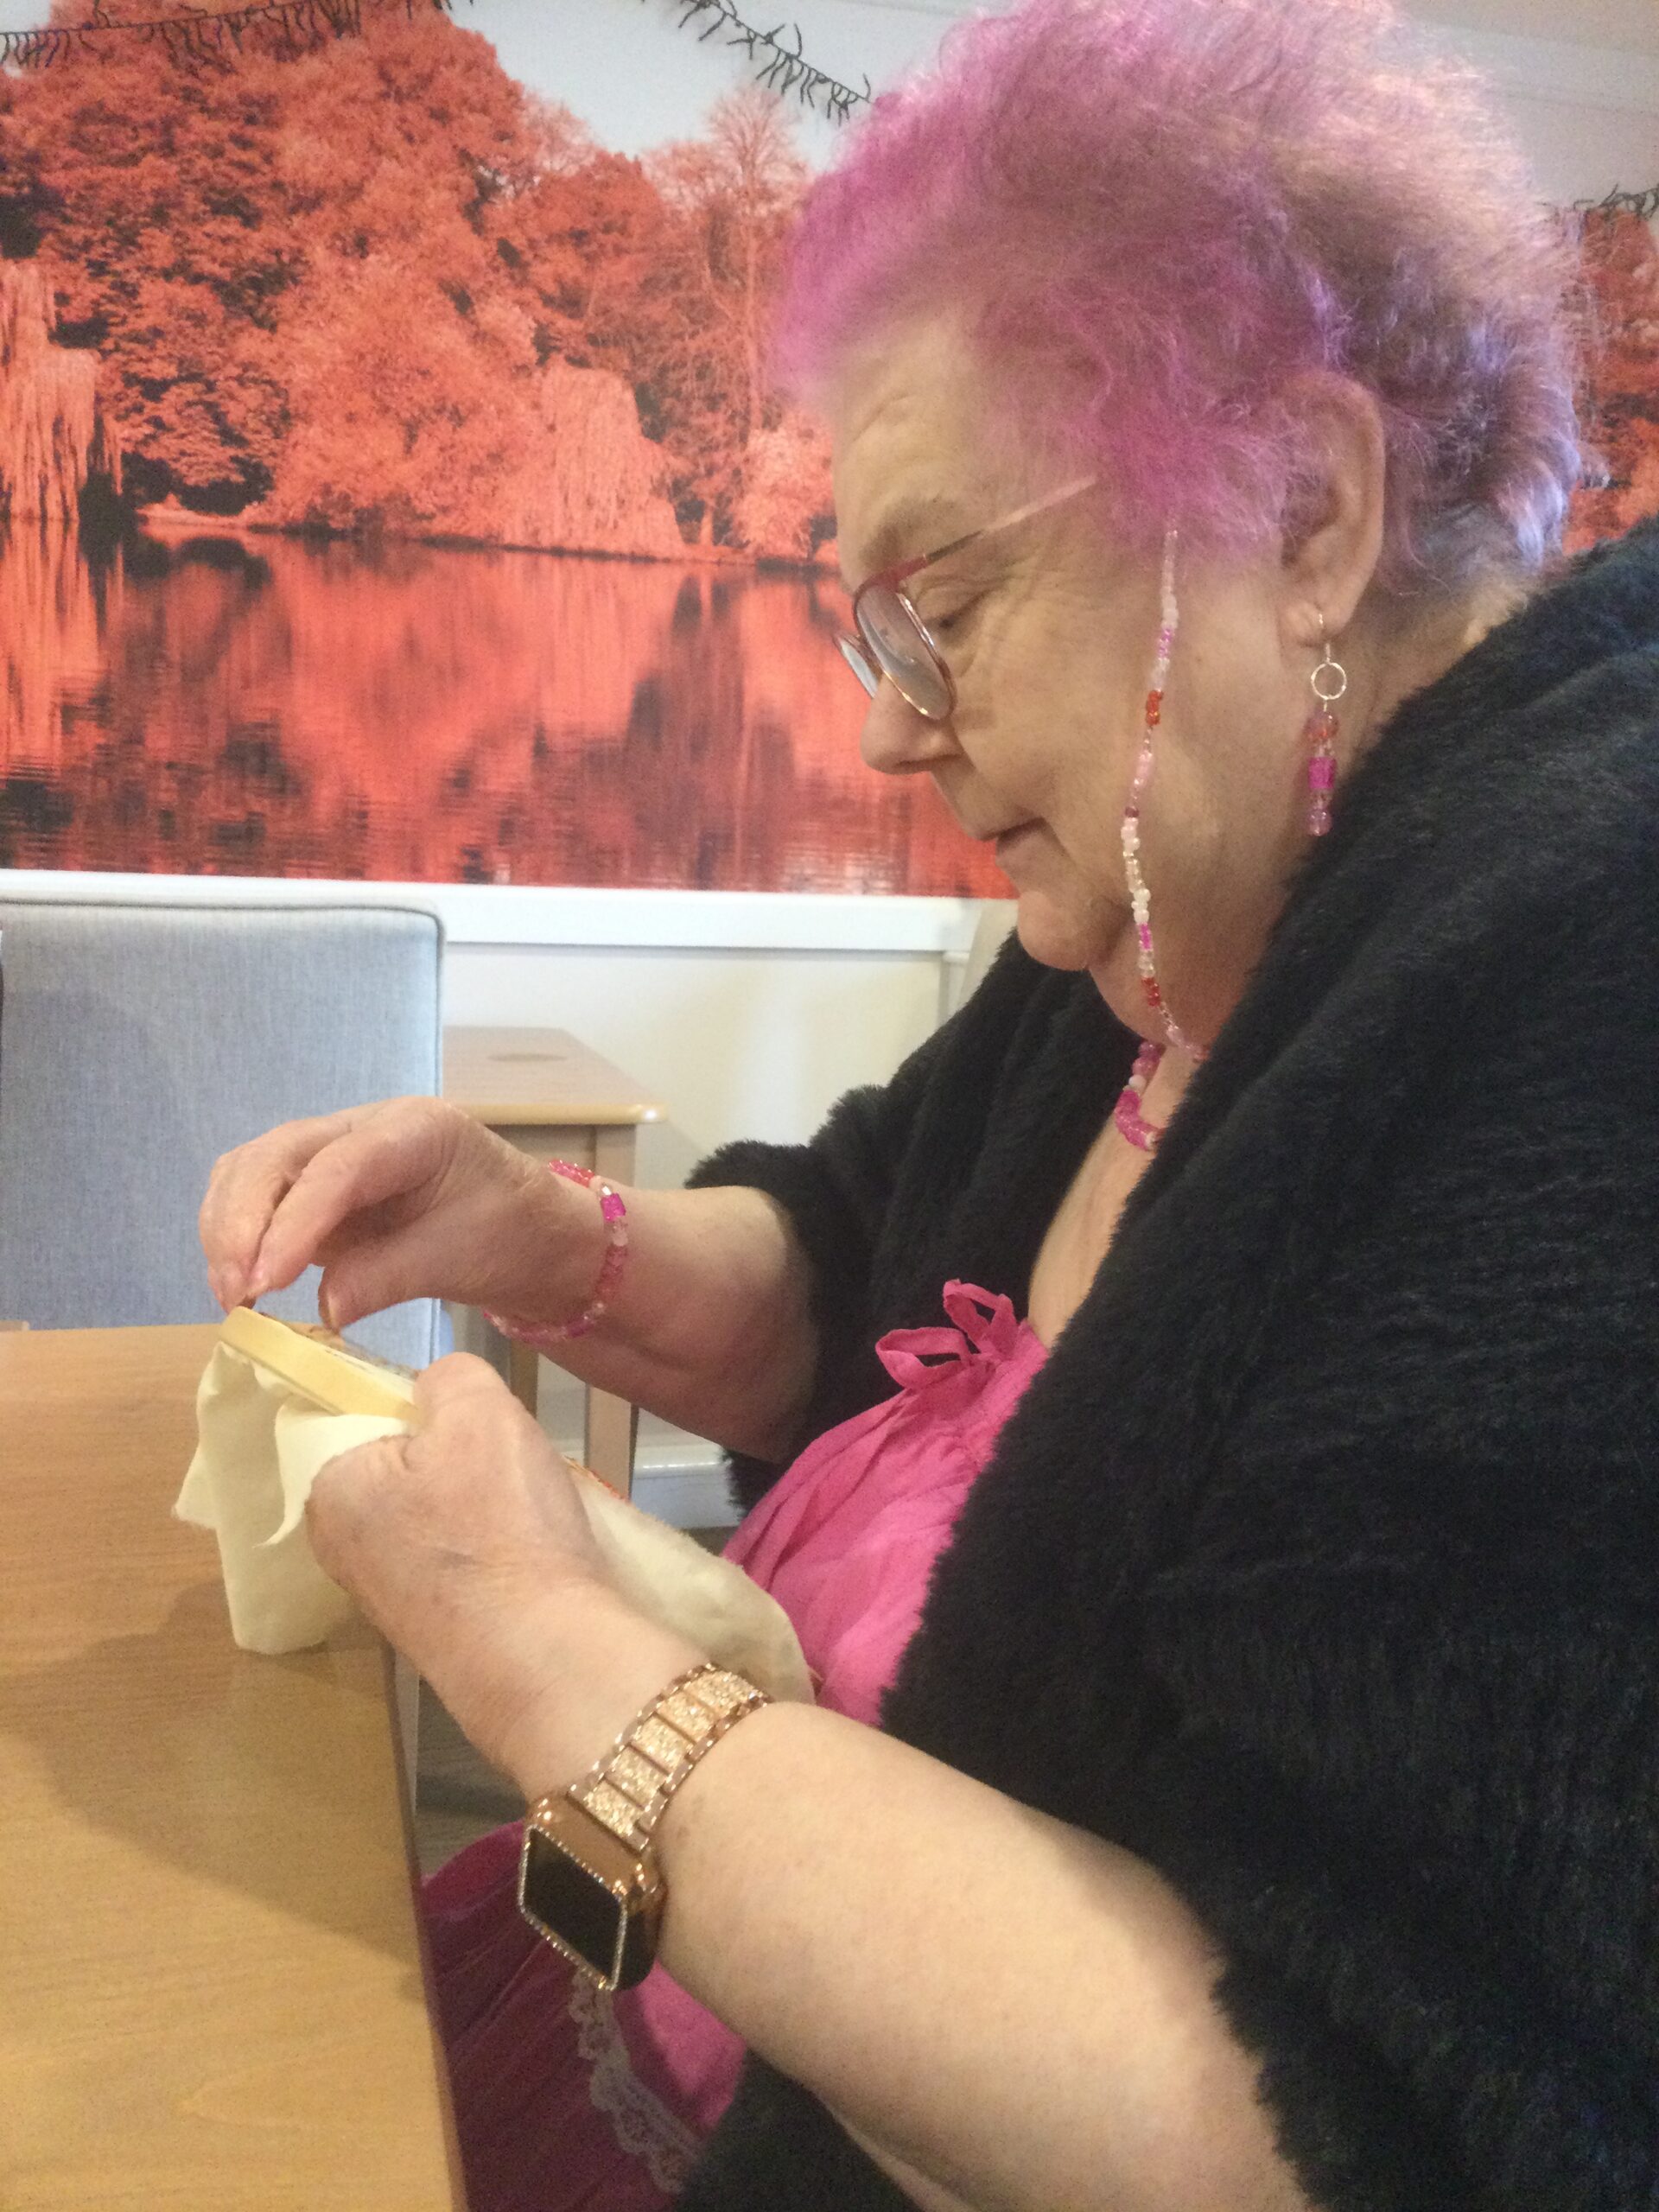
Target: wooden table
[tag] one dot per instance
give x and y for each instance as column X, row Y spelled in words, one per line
column 545, row 1092
column 212, row 1990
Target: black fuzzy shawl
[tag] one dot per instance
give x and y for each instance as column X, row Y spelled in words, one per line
column 1319, row 1564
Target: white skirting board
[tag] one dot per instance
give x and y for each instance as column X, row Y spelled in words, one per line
column 686, row 1492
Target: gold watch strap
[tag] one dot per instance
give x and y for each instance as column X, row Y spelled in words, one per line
column 627, row 1791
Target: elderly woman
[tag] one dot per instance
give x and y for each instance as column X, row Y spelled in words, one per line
column 1262, row 1813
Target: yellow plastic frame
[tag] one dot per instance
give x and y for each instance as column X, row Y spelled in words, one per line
column 321, row 1367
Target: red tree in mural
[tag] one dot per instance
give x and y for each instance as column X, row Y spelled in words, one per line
column 580, row 233
column 55, row 436
column 1620, row 256
column 349, row 290
column 162, row 235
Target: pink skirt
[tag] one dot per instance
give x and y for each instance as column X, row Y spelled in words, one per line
column 567, row 2100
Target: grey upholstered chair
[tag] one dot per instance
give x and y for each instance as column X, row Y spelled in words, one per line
column 138, row 1041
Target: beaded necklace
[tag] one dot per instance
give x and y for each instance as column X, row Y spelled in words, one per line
column 1130, row 1121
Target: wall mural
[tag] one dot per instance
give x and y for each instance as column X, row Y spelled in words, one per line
column 1620, row 258
column 394, row 490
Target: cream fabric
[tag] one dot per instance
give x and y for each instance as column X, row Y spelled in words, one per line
column 664, row 1573
column 260, row 1447
column 261, row 1443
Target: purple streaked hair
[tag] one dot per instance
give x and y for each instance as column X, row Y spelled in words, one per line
column 1155, row 213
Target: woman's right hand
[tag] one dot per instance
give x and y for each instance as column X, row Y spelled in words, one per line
column 410, row 1198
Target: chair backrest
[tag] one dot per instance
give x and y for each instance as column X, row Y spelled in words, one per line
column 139, row 1041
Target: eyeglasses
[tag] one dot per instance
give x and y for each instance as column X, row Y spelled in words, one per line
column 893, row 640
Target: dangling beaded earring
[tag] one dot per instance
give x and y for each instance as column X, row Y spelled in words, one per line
column 1139, row 897
column 1330, row 681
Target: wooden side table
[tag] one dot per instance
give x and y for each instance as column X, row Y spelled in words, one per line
column 550, row 1096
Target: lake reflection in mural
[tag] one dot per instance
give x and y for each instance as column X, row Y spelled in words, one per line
column 251, row 704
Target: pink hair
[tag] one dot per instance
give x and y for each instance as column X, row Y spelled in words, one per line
column 1156, row 213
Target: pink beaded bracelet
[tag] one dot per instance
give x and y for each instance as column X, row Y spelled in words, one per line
column 542, row 1336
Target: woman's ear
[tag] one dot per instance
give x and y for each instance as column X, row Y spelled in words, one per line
column 1333, row 530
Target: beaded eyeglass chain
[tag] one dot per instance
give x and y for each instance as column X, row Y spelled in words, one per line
column 1139, row 897
column 1329, row 682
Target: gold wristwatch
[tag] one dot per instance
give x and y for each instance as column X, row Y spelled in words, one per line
column 587, row 1877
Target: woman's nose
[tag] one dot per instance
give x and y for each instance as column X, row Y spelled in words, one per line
column 898, row 740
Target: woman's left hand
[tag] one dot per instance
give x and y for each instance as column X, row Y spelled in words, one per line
column 467, row 1544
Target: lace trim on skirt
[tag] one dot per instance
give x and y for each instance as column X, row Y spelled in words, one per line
column 643, row 2126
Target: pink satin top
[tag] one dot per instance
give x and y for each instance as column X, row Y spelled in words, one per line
column 846, row 1542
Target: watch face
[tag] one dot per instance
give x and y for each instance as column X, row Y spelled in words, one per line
column 570, row 1904
column 589, row 1894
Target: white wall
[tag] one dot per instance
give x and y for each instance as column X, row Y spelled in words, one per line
column 735, row 1043
column 1588, row 115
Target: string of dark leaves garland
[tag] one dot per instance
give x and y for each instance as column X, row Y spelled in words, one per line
column 1617, row 202
column 303, row 23
column 777, row 63
column 776, row 56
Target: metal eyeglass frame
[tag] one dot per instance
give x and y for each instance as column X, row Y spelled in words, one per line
column 862, row 653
